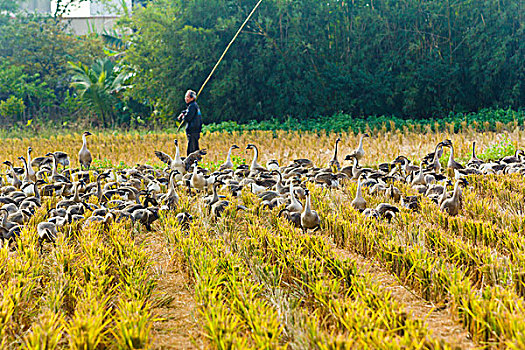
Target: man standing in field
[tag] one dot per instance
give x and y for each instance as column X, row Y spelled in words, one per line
column 193, row 119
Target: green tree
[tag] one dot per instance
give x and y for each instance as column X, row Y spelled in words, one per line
column 307, row 57
column 34, row 51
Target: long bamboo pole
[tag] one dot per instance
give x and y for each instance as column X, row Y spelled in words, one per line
column 228, row 47
column 224, row 52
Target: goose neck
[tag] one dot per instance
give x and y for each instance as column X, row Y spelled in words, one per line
column 361, row 142
column 229, row 156
column 335, row 150
column 37, row 192
column 55, row 170
column 457, row 191
column 307, row 207
column 255, row 156
column 358, row 192
column 76, row 197
column 25, row 167
column 177, row 151
column 215, row 194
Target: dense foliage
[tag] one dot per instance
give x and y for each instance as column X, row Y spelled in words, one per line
column 34, row 52
column 307, row 58
column 295, row 60
column 484, row 120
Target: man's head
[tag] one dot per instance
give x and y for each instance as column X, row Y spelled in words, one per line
column 190, row 96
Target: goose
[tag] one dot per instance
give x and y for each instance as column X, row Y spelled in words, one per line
column 197, row 180
column 474, row 161
column 387, row 210
column 30, row 173
column 175, row 163
column 279, row 188
column 194, row 157
column 411, row 202
column 66, row 203
column 228, row 164
column 453, row 204
column 15, row 180
column 55, row 176
column 47, row 232
column 334, row 163
column 513, row 159
column 20, row 217
column 184, row 219
column 27, row 177
column 435, row 165
column 359, row 152
column 452, row 164
column 40, row 162
column 393, row 192
column 214, row 198
column 272, row 165
column 359, row 203
column 146, row 216
column 405, row 164
column 295, row 206
column 5, row 222
column 254, row 167
column 12, row 234
column 62, row 159
column 420, row 179
column 171, row 199
column 105, row 219
column 84, row 155
column 309, row 218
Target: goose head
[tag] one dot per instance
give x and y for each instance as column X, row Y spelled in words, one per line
column 234, row 147
column 176, row 142
column 446, row 143
column 29, row 149
column 349, row 157
column 8, row 163
column 87, row 133
column 250, row 146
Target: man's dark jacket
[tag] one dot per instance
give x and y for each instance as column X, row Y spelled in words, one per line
column 193, row 118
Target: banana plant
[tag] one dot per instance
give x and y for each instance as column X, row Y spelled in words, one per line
column 98, row 86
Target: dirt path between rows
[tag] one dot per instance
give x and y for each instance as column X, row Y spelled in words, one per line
column 440, row 321
column 177, row 325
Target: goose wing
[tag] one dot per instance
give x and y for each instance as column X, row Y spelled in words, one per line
column 164, row 157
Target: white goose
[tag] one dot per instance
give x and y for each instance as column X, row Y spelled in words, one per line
column 228, row 164
column 255, row 166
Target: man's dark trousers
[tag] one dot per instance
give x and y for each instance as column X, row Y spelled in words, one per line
column 193, row 142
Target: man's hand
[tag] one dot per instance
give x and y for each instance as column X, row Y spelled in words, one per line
column 180, row 116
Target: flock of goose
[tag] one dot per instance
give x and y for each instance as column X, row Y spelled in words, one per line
column 140, row 193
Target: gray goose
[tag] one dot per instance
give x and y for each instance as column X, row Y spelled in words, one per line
column 84, row 155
